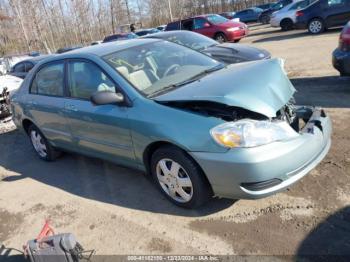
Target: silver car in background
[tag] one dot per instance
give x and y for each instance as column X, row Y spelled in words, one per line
column 286, row 18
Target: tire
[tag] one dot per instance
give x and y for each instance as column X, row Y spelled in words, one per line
column 316, row 26
column 286, row 25
column 237, row 40
column 195, row 190
column 41, row 146
column 220, row 37
column 265, row 19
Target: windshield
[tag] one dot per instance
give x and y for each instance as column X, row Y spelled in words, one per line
column 217, row 19
column 158, row 66
column 192, row 40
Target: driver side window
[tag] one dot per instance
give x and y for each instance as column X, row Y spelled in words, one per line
column 86, row 78
column 199, row 23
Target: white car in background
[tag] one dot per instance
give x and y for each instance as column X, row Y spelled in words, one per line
column 285, row 18
column 8, row 86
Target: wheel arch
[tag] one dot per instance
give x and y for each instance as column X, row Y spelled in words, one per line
column 286, row 19
column 151, row 148
column 316, row 17
column 220, row 32
column 26, row 123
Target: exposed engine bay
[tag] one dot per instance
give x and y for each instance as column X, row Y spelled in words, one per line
column 296, row 116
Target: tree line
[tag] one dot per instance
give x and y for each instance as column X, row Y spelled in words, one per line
column 46, row 25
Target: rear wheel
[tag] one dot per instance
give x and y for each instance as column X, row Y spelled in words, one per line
column 265, row 19
column 316, row 26
column 220, row 37
column 40, row 144
column 179, row 178
column 286, row 24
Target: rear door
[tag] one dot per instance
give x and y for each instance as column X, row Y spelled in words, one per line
column 45, row 103
column 337, row 12
column 102, row 130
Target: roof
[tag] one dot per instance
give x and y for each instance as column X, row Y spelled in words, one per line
column 109, row 47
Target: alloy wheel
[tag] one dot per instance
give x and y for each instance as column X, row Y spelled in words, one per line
column 220, row 38
column 38, row 143
column 174, row 180
column 315, row 26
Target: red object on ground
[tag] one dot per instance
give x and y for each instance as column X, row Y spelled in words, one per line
column 45, row 231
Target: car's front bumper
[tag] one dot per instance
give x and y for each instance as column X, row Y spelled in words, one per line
column 341, row 61
column 236, row 35
column 249, row 173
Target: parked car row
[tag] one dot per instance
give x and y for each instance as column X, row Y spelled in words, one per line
column 314, row 15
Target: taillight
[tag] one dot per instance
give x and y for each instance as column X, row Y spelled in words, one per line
column 299, row 13
column 344, row 40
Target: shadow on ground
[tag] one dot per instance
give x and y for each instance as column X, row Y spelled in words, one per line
column 327, row 91
column 279, row 35
column 329, row 241
column 91, row 178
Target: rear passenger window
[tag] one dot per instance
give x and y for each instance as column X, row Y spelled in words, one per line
column 86, row 78
column 49, row 80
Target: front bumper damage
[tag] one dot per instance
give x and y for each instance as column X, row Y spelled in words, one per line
column 250, row 173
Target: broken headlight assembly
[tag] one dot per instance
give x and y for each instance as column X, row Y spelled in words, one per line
column 252, row 133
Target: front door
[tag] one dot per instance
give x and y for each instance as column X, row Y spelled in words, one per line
column 103, row 130
column 202, row 26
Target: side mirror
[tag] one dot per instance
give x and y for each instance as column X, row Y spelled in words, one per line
column 106, row 98
column 206, row 25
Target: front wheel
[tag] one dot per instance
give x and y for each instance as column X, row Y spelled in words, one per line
column 41, row 146
column 179, row 178
column 220, row 37
column 316, row 26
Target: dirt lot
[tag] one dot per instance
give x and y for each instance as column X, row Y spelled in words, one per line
column 118, row 211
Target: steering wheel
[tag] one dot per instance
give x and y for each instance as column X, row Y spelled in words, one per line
column 173, row 68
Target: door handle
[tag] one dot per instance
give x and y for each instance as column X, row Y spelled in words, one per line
column 71, row 108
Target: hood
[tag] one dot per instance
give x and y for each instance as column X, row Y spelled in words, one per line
column 238, row 51
column 260, row 86
column 11, row 82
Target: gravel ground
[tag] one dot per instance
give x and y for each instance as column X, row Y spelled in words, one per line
column 118, row 211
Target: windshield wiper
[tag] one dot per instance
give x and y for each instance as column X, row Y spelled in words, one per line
column 187, row 81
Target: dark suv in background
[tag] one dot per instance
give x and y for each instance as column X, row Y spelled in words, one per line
column 323, row 14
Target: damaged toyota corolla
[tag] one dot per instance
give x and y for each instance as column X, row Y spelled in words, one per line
column 199, row 128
